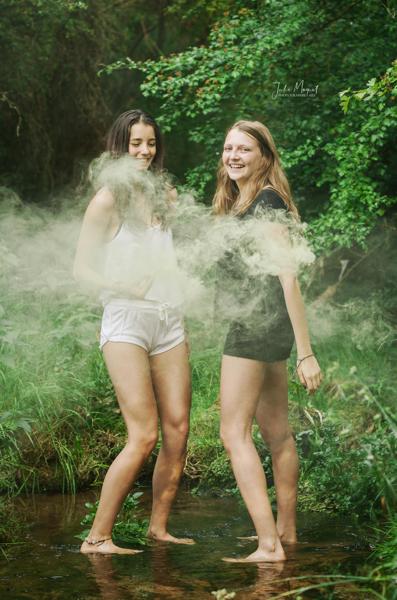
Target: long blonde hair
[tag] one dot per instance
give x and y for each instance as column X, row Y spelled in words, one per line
column 227, row 198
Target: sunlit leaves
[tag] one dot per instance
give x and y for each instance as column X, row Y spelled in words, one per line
column 355, row 198
column 232, row 76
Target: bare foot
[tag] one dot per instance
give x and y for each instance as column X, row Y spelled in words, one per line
column 262, row 555
column 167, row 537
column 106, row 547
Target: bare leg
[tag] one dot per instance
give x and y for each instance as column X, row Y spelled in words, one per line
column 241, row 384
column 171, row 378
column 129, row 369
column 272, row 418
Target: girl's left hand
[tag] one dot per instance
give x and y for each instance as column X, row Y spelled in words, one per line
column 309, row 373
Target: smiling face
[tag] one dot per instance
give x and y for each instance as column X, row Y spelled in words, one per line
column 142, row 144
column 241, row 156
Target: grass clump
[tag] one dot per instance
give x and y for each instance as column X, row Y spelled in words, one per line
column 130, row 526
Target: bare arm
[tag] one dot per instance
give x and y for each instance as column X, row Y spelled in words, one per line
column 308, row 370
column 94, row 230
column 97, row 224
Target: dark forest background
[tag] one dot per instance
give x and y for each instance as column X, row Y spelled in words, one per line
column 55, row 109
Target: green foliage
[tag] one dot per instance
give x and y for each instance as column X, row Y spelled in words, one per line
column 11, row 424
column 54, row 110
column 130, row 526
column 354, row 170
column 52, row 397
column 336, row 164
column 385, row 557
column 49, row 85
column 195, row 82
column 382, row 89
column 347, row 478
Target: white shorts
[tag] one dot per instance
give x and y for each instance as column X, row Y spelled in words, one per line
column 153, row 326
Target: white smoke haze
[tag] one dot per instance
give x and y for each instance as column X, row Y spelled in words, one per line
column 38, row 247
column 216, row 252
column 138, row 193
column 363, row 319
column 214, row 256
column 41, row 303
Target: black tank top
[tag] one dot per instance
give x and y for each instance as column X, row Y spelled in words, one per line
column 235, row 284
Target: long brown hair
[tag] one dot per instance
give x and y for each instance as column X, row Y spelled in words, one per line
column 227, row 198
column 115, row 170
column 118, row 137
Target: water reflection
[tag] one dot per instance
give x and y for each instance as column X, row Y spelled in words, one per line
column 49, row 563
column 103, row 573
column 269, row 582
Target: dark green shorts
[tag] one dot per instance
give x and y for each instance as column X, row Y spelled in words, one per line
column 268, row 344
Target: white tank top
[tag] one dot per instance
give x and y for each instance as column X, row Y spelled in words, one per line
column 135, row 254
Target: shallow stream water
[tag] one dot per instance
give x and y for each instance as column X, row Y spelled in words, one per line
column 47, row 563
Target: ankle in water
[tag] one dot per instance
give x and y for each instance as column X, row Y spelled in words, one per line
column 96, row 541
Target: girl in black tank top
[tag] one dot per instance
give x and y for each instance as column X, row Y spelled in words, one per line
column 254, row 374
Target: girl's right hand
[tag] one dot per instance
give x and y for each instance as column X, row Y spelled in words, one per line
column 309, row 373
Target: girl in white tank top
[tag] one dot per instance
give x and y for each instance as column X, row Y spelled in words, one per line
column 142, row 335
column 135, row 254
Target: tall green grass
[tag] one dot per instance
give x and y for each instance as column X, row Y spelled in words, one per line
column 60, row 425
